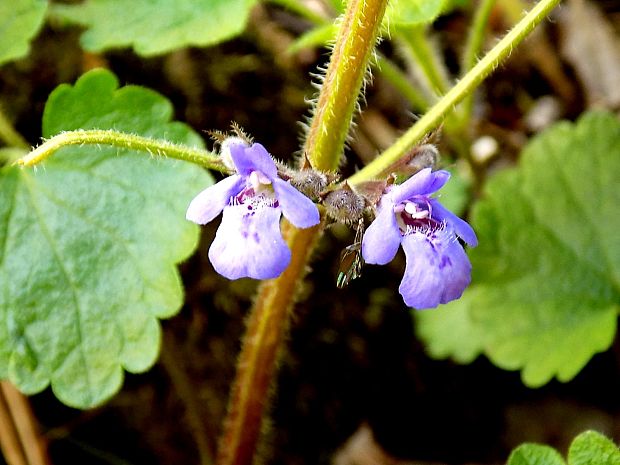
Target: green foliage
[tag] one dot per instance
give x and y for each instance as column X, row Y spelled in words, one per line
column 546, row 275
column 455, row 4
column 399, row 12
column 20, row 20
column 413, row 12
column 11, row 154
column 535, row 454
column 589, row 448
column 89, row 243
column 156, row 26
column 592, row 448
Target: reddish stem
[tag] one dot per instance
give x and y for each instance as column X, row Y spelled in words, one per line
column 266, row 330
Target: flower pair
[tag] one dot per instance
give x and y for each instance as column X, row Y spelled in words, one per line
column 248, row 242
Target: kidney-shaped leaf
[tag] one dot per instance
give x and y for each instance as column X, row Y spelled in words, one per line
column 546, row 283
column 156, row 26
column 535, row 454
column 592, row 448
column 589, row 448
column 89, row 243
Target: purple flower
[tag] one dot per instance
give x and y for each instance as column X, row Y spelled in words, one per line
column 248, row 242
column 437, row 269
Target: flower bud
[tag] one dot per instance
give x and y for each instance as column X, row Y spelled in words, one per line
column 344, row 205
column 309, row 182
column 424, row 156
column 418, row 158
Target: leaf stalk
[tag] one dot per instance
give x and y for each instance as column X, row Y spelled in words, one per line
column 343, row 82
column 464, row 87
column 121, row 140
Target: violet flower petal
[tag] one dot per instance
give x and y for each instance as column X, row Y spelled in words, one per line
column 437, row 270
column 382, row 238
column 296, row 207
column 424, row 182
column 254, row 158
column 456, row 272
column 211, row 201
column 249, row 244
column 461, row 227
column 421, row 286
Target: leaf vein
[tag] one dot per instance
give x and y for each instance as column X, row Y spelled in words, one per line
column 70, row 282
column 562, row 175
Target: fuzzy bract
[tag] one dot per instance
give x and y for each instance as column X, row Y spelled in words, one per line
column 248, row 242
column 437, row 269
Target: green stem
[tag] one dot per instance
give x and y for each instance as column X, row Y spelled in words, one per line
column 464, row 87
column 476, row 34
column 9, row 135
column 473, row 48
column 270, row 315
column 418, row 48
column 302, row 10
column 392, row 73
column 399, row 80
column 267, row 327
column 156, row 148
column 342, row 83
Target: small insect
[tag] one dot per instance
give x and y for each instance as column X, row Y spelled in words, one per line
column 351, row 261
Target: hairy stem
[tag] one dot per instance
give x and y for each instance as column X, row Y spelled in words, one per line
column 269, row 317
column 465, row 86
column 153, row 147
column 266, row 330
column 473, row 48
column 342, row 83
column 384, row 66
column 476, row 34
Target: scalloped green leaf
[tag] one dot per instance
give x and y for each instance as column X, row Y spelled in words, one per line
column 154, row 27
column 589, row 448
column 545, row 291
column 20, row 21
column 592, row 448
column 89, row 243
column 535, row 454
column 399, row 12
